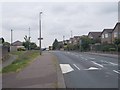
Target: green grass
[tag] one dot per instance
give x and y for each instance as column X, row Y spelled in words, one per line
column 24, row 58
column 17, row 52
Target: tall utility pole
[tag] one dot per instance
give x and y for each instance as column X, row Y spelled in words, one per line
column 11, row 36
column 71, row 34
column 63, row 39
column 29, row 38
column 40, row 32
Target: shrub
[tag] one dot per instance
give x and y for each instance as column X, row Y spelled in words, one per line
column 112, row 49
column 108, row 47
column 21, row 49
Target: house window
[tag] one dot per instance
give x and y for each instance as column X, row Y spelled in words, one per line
column 106, row 35
column 91, row 37
column 102, row 35
column 115, row 34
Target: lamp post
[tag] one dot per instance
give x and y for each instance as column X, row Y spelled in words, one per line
column 29, row 38
column 40, row 32
column 11, row 36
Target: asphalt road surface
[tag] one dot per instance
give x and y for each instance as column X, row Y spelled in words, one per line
column 82, row 70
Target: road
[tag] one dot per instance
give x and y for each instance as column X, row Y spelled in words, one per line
column 82, row 70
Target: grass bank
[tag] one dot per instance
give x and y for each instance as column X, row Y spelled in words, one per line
column 24, row 58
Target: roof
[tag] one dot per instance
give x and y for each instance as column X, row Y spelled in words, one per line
column 118, row 24
column 17, row 43
column 107, row 30
column 76, row 36
column 95, row 34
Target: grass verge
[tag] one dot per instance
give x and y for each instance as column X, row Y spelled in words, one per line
column 24, row 58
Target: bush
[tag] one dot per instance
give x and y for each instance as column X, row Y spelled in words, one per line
column 112, row 49
column 108, row 47
column 119, row 48
column 21, row 49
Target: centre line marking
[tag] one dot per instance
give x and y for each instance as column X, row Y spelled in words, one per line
column 116, row 71
column 76, row 66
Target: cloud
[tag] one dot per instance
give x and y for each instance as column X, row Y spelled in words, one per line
column 58, row 19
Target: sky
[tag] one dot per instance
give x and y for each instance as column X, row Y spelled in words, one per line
column 58, row 19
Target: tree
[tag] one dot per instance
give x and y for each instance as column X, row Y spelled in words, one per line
column 3, row 40
column 117, row 41
column 33, row 45
column 26, row 44
column 6, row 44
column 117, row 44
column 55, row 44
column 85, row 42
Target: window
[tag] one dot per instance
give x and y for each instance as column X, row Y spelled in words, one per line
column 102, row 35
column 91, row 37
column 106, row 35
column 115, row 34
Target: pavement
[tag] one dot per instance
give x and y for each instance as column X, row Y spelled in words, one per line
column 104, row 54
column 43, row 72
column 84, row 70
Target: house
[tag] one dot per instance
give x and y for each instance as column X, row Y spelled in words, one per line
column 116, row 32
column 66, row 42
column 15, row 45
column 96, row 36
column 60, row 45
column 106, row 36
column 71, row 41
column 76, row 40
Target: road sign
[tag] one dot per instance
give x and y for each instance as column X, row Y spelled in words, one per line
column 40, row 38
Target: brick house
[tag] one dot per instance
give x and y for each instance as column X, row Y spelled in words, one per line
column 71, row 41
column 106, row 36
column 96, row 36
column 76, row 40
column 116, row 32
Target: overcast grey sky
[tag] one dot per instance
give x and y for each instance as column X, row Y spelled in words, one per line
column 58, row 19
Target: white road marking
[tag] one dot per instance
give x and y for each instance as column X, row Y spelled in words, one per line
column 66, row 68
column 97, row 64
column 93, row 68
column 92, row 58
column 76, row 66
column 80, row 55
column 114, row 64
column 116, row 71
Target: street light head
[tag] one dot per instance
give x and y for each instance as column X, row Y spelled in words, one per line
column 40, row 12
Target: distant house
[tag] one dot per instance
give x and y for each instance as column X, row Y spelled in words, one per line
column 60, row 45
column 116, row 32
column 106, row 36
column 71, row 41
column 76, row 40
column 66, row 42
column 96, row 36
column 15, row 45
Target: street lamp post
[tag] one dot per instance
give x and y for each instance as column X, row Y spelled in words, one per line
column 29, row 38
column 40, row 32
column 11, row 36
